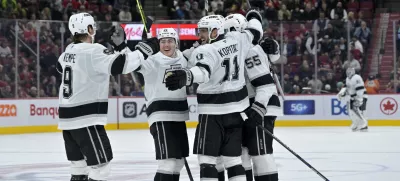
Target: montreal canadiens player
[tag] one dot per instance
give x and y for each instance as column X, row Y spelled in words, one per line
column 83, row 99
column 356, row 97
column 257, row 146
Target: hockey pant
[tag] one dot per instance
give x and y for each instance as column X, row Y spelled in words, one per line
column 257, row 153
column 171, row 146
column 89, row 151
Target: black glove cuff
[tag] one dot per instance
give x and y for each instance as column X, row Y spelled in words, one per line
column 259, row 108
column 189, row 77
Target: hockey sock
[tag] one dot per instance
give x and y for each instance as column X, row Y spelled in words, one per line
column 164, row 177
column 176, row 177
column 236, row 172
column 209, row 172
column 249, row 175
column 273, row 177
column 221, row 176
column 79, row 177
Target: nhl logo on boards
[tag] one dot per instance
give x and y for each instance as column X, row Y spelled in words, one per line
column 129, row 109
column 388, row 106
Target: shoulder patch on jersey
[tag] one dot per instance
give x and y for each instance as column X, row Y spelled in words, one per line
column 199, row 56
column 108, row 51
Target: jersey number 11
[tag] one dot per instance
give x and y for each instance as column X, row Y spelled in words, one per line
column 227, row 65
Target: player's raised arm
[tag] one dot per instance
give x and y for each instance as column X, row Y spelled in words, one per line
column 123, row 62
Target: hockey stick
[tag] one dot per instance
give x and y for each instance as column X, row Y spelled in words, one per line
column 278, row 83
column 188, row 170
column 294, row 153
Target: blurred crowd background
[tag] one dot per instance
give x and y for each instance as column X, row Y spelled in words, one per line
column 319, row 40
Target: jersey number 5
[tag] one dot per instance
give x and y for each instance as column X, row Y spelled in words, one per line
column 67, row 89
column 252, row 61
column 227, row 65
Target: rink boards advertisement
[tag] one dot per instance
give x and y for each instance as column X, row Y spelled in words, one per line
column 41, row 115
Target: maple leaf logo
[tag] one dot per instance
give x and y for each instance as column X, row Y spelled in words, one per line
column 388, row 106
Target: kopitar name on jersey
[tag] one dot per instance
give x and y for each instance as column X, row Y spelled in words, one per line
column 228, row 50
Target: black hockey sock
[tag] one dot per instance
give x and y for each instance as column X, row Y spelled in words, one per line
column 79, row 177
column 164, row 177
column 221, row 176
column 95, row 180
column 249, row 175
column 235, row 171
column 273, row 177
column 176, row 177
column 208, row 171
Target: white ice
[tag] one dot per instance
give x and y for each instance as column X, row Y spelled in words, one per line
column 338, row 153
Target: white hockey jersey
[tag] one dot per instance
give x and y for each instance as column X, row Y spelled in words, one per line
column 86, row 70
column 355, row 88
column 162, row 104
column 260, row 83
column 223, row 90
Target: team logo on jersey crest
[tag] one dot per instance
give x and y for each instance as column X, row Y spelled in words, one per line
column 108, row 51
column 199, row 56
column 129, row 109
column 168, row 71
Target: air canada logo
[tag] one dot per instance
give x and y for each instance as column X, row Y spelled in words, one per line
column 389, row 106
column 129, row 109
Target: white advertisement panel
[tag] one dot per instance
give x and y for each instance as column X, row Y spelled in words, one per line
column 34, row 112
column 133, row 110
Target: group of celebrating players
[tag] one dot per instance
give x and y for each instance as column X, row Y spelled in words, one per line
column 236, row 96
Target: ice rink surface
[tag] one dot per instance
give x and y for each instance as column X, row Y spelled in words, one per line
column 341, row 155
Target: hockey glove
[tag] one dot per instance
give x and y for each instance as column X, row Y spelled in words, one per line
column 116, row 38
column 253, row 14
column 177, row 79
column 341, row 94
column 255, row 113
column 148, row 47
column 269, row 46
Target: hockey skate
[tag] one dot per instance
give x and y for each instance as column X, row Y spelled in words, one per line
column 79, row 178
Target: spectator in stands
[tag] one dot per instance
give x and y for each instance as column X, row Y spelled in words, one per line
column 351, row 22
column 305, row 70
column 315, row 84
column 398, row 36
column 196, row 13
column 359, row 19
column 372, row 85
column 125, row 15
column 296, row 14
column 321, row 23
column 354, row 63
column 327, row 45
column 363, row 33
column 5, row 92
column 5, row 51
column 284, row 14
column 32, row 92
column 309, row 13
column 270, row 13
column 357, row 44
column 310, row 44
column 332, row 32
column 287, row 85
column 330, row 80
column 340, row 11
column 182, row 13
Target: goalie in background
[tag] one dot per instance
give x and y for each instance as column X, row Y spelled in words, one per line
column 355, row 94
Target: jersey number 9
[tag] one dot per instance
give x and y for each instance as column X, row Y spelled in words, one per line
column 67, row 89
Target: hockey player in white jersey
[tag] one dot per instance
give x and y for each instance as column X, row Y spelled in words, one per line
column 166, row 110
column 222, row 93
column 257, row 146
column 356, row 96
column 83, row 99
